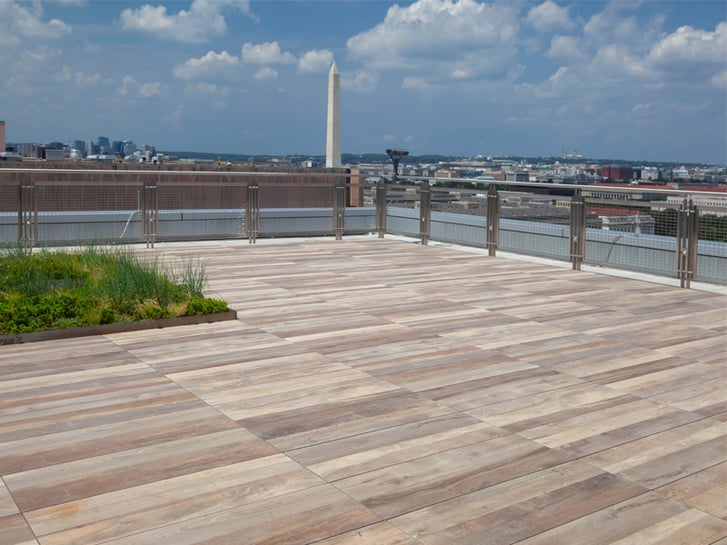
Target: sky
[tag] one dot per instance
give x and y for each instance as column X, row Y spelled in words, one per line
column 624, row 79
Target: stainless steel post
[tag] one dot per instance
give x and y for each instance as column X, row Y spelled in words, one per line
column 577, row 230
column 381, row 208
column 252, row 212
column 27, row 213
column 493, row 220
column 425, row 211
column 339, row 209
column 150, row 212
column 687, row 241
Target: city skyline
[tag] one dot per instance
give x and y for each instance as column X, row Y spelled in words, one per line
column 631, row 80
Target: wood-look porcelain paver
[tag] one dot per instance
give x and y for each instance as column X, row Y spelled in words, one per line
column 378, row 392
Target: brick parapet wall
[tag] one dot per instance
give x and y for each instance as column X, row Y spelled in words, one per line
column 102, row 186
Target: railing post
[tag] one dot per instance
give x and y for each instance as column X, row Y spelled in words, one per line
column 150, row 212
column 27, row 213
column 425, row 211
column 339, row 209
column 687, row 241
column 252, row 212
column 577, row 230
column 493, row 220
column 381, row 208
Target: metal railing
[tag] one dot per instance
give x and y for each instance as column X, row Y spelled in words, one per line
column 656, row 231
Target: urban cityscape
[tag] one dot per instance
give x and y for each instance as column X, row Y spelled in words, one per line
column 569, row 167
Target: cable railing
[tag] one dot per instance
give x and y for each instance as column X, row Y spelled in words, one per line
column 681, row 234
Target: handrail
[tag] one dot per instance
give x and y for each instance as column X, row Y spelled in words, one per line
column 173, row 200
column 588, row 187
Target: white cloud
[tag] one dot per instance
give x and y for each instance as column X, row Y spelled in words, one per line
column 616, row 62
column 361, row 81
column 435, row 38
column 611, row 26
column 641, row 107
column 64, row 75
column 688, row 48
column 720, row 80
column 24, row 20
column 550, row 17
column 151, row 89
column 316, row 61
column 413, row 82
column 201, row 22
column 68, row 2
column 212, row 88
column 40, row 54
column 130, row 87
column 210, row 66
column 80, row 79
column 265, row 53
column 565, row 48
column 265, row 72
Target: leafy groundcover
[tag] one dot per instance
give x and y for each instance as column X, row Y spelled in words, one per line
column 60, row 290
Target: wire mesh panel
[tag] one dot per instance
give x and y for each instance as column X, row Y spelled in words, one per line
column 458, row 215
column 78, row 208
column 535, row 223
column 296, row 209
column 635, row 235
column 712, row 246
column 9, row 206
column 197, row 207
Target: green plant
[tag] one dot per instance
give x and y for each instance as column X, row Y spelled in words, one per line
column 193, row 274
column 55, row 289
column 197, row 306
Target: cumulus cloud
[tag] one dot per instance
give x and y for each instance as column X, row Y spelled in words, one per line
column 40, row 54
column 436, row 38
column 720, row 80
column 550, row 17
column 265, row 53
column 80, row 79
column 413, row 82
column 565, row 48
column 316, row 61
column 265, row 72
column 25, row 20
column 210, row 66
column 612, row 26
column 688, row 49
column 362, row 81
column 69, row 2
column 130, row 87
column 201, row 22
column 207, row 88
column 641, row 107
column 150, row 89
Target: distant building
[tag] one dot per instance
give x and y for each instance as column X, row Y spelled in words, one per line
column 517, row 176
column 623, row 220
column 103, row 144
column 10, row 157
column 80, row 146
column 617, row 172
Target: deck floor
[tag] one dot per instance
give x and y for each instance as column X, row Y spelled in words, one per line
column 378, row 393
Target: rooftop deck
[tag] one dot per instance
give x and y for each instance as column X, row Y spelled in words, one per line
column 378, row 393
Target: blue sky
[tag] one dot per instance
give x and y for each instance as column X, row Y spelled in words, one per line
column 622, row 79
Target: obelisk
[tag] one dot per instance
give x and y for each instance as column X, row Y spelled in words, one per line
column 333, row 129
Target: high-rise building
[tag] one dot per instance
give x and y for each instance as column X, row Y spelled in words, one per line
column 80, row 145
column 103, row 144
column 333, row 129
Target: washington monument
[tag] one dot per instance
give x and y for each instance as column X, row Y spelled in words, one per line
column 333, row 130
